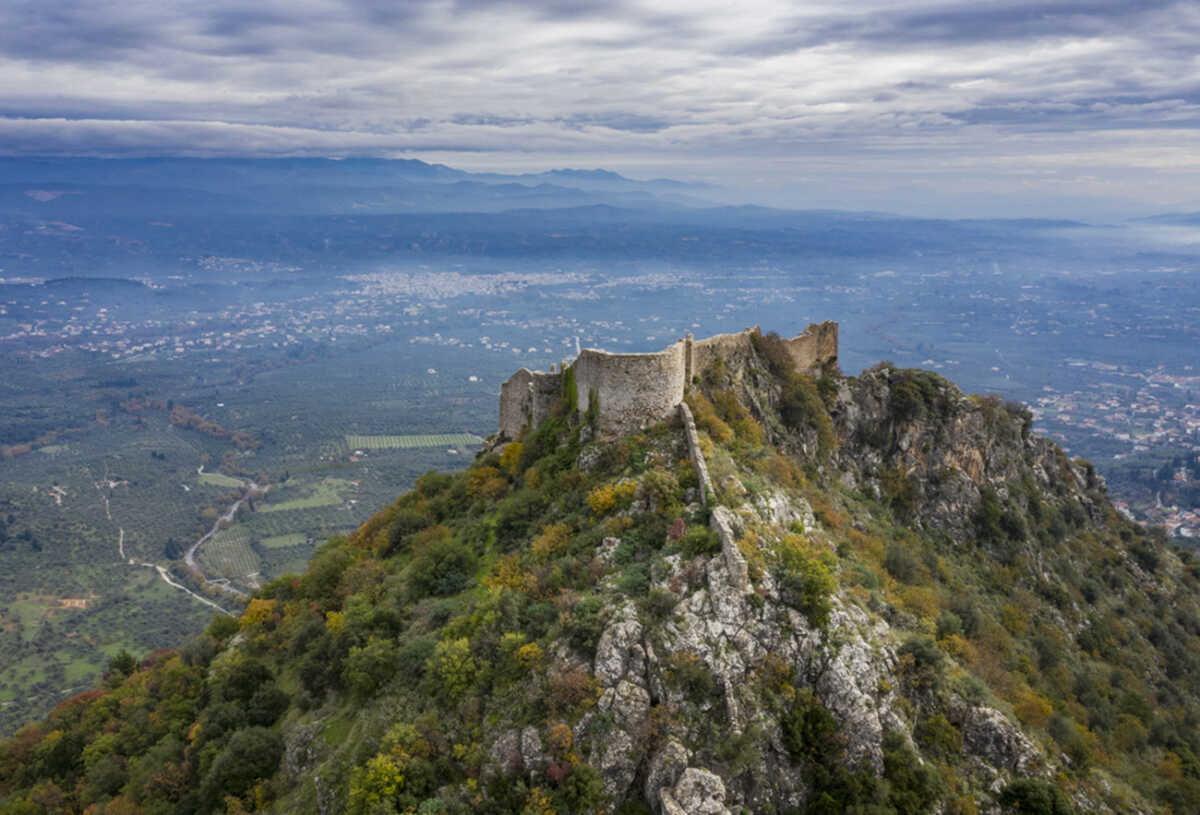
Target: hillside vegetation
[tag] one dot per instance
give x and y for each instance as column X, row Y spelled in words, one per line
column 898, row 601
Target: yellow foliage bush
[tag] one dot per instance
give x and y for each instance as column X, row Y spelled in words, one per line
column 507, row 573
column 1014, row 619
column 921, row 601
column 707, row 419
column 870, row 547
column 335, row 621
column 257, row 612
column 560, row 739
column 538, row 802
column 486, row 482
column 734, row 414
column 553, row 538
column 617, row 524
column 751, row 550
column 510, row 459
column 782, row 470
column 959, row 647
column 1032, row 708
column 533, row 478
column 530, row 655
column 607, row 497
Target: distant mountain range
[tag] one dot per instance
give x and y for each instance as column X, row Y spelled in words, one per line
column 65, row 187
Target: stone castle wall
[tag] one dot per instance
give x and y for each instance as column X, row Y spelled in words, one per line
column 526, row 398
column 815, row 347
column 734, row 349
column 634, row 390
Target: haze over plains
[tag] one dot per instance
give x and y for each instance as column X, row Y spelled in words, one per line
column 1081, row 107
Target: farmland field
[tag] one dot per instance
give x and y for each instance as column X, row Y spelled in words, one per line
column 405, row 442
column 284, row 541
column 228, row 554
column 219, row 480
column 324, row 493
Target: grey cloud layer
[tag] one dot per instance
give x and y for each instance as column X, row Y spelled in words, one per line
column 639, row 82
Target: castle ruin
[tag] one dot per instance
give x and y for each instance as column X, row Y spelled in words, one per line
column 631, row 391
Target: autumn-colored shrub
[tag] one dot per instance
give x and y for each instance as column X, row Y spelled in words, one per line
column 453, row 667
column 572, row 690
column 486, row 482
column 607, row 497
column 552, row 539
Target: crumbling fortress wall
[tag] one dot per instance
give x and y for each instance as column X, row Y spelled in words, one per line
column 526, row 399
column 630, row 391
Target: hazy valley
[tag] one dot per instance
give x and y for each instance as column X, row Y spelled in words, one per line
column 171, row 330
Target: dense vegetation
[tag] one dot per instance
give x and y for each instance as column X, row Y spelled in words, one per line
column 376, row 680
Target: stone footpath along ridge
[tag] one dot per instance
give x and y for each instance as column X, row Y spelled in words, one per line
column 631, row 391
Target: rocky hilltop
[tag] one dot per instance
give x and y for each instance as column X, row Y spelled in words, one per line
column 796, row 592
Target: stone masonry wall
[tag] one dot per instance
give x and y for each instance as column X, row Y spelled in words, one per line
column 547, row 389
column 515, row 404
column 730, row 347
column 696, row 454
column 526, row 399
column 633, row 390
column 815, row 347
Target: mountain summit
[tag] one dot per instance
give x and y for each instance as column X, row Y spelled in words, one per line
column 794, row 592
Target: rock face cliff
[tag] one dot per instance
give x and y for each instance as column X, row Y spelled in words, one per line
column 803, row 593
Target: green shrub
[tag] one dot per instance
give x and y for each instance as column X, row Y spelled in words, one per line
column 659, row 604
column 899, row 492
column 949, row 623
column 404, row 525
column 452, row 667
column 635, row 581
column 699, row 541
column 926, row 662
column 913, row 787
column 516, row 517
column 801, row 406
column 808, row 727
column 252, row 754
column 987, row 516
column 901, row 563
column 368, row 667
column 688, row 673
column 1033, row 796
column 412, row 656
column 938, row 737
column 570, row 391
column 222, row 627
column 906, row 401
column 582, row 790
column 536, row 618
column 811, row 737
column 445, row 566
column 808, row 585
column 586, row 623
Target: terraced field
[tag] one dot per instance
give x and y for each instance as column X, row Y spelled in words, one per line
column 284, row 541
column 219, row 480
column 324, row 493
column 228, row 554
column 404, row 442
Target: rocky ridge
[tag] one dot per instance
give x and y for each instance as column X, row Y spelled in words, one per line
column 876, row 595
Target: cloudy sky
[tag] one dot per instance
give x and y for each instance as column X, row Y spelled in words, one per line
column 1072, row 106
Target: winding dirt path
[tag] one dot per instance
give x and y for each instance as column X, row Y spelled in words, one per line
column 249, row 489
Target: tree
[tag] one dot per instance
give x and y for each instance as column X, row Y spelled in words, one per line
column 252, row 754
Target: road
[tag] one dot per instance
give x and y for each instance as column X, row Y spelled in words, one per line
column 249, row 490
